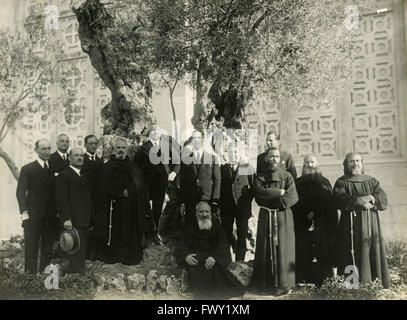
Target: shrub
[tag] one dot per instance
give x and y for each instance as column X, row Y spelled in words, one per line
column 15, row 284
column 396, row 251
column 335, row 288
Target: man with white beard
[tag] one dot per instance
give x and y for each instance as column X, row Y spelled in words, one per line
column 204, row 253
column 314, row 224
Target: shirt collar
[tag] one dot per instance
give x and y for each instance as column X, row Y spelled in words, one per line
column 78, row 171
column 62, row 154
column 42, row 162
column 91, row 155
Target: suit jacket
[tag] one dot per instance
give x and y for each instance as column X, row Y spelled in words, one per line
column 156, row 175
column 72, row 198
column 57, row 164
column 202, row 184
column 235, row 193
column 34, row 191
column 286, row 163
column 92, row 172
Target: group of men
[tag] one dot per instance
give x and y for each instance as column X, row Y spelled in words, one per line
column 116, row 207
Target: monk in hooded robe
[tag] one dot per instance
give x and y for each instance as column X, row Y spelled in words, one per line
column 126, row 213
column 204, row 253
column 274, row 188
column 360, row 240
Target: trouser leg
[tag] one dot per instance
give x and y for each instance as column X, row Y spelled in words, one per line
column 227, row 224
column 32, row 236
column 77, row 261
column 158, row 199
column 48, row 230
column 242, row 228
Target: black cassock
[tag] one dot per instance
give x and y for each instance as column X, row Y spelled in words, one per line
column 131, row 216
column 206, row 243
column 315, row 241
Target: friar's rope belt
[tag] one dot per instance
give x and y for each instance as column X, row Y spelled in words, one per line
column 110, row 222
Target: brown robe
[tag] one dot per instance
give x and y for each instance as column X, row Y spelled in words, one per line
column 267, row 194
column 369, row 248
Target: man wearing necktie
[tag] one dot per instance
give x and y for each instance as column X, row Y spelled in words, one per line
column 236, row 197
column 92, row 170
column 34, row 196
column 58, row 162
column 75, row 206
column 59, row 159
column 157, row 174
column 199, row 177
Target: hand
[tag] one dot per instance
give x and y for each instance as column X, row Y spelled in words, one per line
column 166, row 198
column 125, row 193
column 310, row 215
column 368, row 205
column 172, row 176
column 209, row 263
column 372, row 199
column 190, row 259
column 68, row 225
column 182, row 209
column 282, row 192
column 24, row 215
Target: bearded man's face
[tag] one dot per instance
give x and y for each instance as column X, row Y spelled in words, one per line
column 204, row 218
column 121, row 150
column 355, row 164
column 310, row 165
column 273, row 159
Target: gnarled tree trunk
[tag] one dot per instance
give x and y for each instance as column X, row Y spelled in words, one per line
column 131, row 91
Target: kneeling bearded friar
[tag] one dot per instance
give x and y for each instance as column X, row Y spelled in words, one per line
column 204, row 252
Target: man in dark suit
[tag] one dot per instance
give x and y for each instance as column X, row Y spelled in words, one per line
column 59, row 159
column 157, row 173
column 58, row 162
column 286, row 160
column 236, row 201
column 75, row 206
column 34, row 196
column 199, row 177
column 92, row 170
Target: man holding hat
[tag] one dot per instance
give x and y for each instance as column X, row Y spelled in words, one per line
column 75, row 207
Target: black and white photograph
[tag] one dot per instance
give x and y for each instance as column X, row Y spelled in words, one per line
column 183, row 151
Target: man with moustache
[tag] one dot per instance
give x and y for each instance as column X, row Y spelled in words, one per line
column 360, row 242
column 92, row 170
column 286, row 160
column 75, row 206
column 315, row 223
column 199, row 177
column 35, row 198
column 125, row 214
column 274, row 261
column 204, row 252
